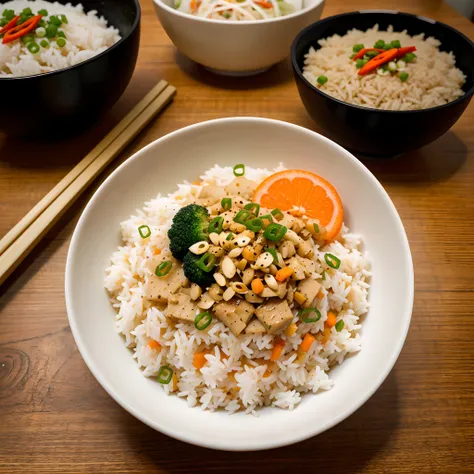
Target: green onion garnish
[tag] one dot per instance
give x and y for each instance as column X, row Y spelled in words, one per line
column 64, row 19
column 267, row 217
column 409, row 57
column 4, row 22
column 372, row 54
column 163, row 269
column 165, row 375
column 40, row 32
column 357, row 47
column 332, row 260
column 202, row 320
column 27, row 11
column 51, row 31
column 44, row 43
column 254, row 224
column 230, row 236
column 54, row 20
column 303, row 314
column 27, row 39
column 226, row 204
column 275, row 232
column 242, row 216
column 316, row 228
column 43, row 12
column 277, row 214
column 61, row 42
column 144, row 231
column 61, row 34
column 339, row 325
column 323, row 275
column 403, row 76
column 322, row 80
column 396, row 44
column 274, row 254
column 239, row 170
column 207, row 262
column 379, row 44
column 360, row 63
column 9, row 14
column 33, row 47
column 216, row 225
column 253, row 207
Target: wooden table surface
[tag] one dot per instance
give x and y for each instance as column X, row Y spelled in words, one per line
column 54, row 416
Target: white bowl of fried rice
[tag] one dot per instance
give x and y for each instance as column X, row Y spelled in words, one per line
column 208, row 363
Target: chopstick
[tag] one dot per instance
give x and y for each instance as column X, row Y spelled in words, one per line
column 24, row 236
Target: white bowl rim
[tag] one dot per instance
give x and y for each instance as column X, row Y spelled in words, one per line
column 244, row 446
column 303, row 11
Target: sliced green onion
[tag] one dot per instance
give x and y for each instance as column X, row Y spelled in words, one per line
column 371, row 54
column 165, row 374
column 275, row 232
column 360, row 63
column 274, row 254
column 267, row 217
column 387, row 46
column 42, row 23
column 9, row 14
column 226, row 204
column 27, row 11
column 239, row 170
column 61, row 34
column 207, row 262
column 379, row 44
column 51, row 31
column 33, row 47
column 242, row 216
column 316, row 228
column 253, row 207
column 277, row 214
column 43, row 12
column 396, row 44
column 227, row 15
column 163, row 269
column 357, row 47
column 332, row 260
column 339, row 325
column 392, row 66
column 27, row 39
column 254, row 224
column 44, row 43
column 352, row 56
column 202, row 320
column 230, row 236
column 40, row 32
column 144, row 231
column 216, row 225
column 304, row 315
column 323, row 275
column 64, row 19
column 61, row 42
column 409, row 57
column 403, row 76
column 54, row 20
column 322, row 80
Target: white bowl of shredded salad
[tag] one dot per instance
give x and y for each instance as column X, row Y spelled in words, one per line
column 241, row 37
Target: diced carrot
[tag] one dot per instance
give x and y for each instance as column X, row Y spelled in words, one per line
column 283, row 274
column 199, row 361
column 157, row 251
column 264, row 3
column 152, row 344
column 331, row 321
column 326, row 335
column 197, row 182
column 307, row 342
column 257, row 286
column 193, row 5
column 320, row 295
column 291, row 329
column 278, row 347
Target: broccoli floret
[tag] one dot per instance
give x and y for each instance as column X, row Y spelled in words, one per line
column 189, row 226
column 194, row 273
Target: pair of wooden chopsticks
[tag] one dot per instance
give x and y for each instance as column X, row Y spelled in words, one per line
column 20, row 240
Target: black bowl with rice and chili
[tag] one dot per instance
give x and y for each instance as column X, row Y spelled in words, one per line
column 352, row 103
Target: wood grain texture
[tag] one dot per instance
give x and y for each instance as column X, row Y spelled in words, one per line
column 55, row 418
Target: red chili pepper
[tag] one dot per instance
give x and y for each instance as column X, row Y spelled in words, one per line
column 403, row 51
column 361, row 53
column 376, row 62
column 21, row 30
column 9, row 25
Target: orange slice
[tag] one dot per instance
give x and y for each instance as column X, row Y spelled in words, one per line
column 304, row 193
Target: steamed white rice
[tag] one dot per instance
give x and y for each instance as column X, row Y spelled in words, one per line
column 87, row 35
column 240, row 381
column 433, row 77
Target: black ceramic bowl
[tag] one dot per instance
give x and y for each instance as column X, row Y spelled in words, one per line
column 65, row 101
column 376, row 132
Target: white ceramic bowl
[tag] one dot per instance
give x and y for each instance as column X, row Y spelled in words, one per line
column 185, row 154
column 235, row 47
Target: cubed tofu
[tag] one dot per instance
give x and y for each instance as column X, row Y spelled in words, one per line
column 181, row 307
column 160, row 288
column 309, row 288
column 274, row 314
column 241, row 186
column 235, row 314
column 211, row 194
column 297, row 267
column 255, row 327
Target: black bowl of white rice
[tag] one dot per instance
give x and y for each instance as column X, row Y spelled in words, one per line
column 399, row 102
column 64, row 64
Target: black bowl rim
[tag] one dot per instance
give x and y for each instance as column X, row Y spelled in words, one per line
column 372, row 109
column 82, row 63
